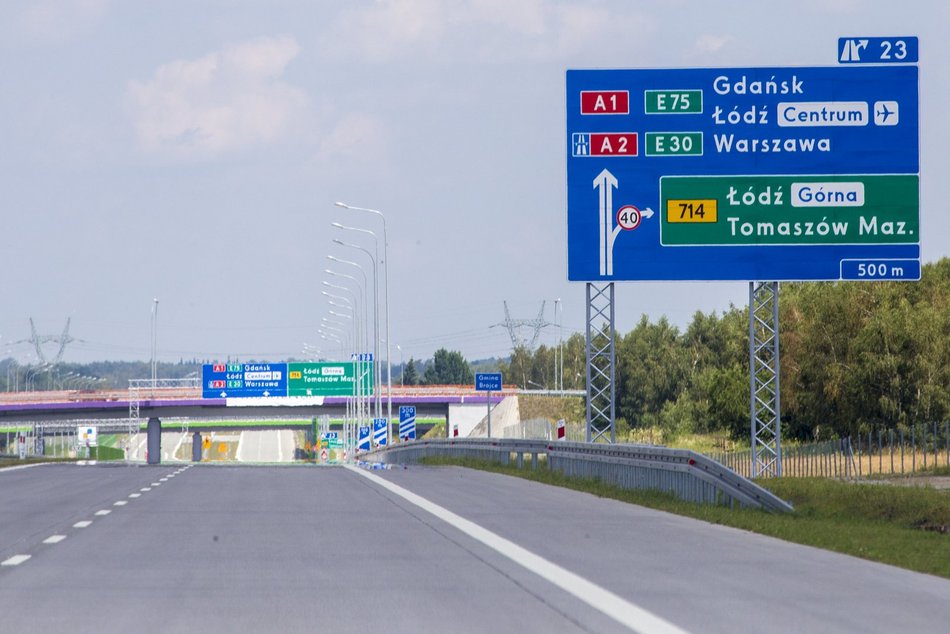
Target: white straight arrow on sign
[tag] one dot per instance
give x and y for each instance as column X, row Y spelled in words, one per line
column 606, row 183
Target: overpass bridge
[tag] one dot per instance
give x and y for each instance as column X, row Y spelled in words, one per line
column 54, row 415
column 451, row 403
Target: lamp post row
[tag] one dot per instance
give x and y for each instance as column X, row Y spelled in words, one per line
column 376, row 262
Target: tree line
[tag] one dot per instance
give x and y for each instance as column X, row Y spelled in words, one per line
column 853, row 355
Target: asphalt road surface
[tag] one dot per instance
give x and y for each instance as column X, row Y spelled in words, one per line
column 270, row 445
column 305, row 548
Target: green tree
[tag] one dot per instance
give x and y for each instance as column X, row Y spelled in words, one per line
column 449, row 368
column 652, row 369
column 410, row 375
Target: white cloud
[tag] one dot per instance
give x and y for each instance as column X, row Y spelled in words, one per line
column 483, row 30
column 355, row 135
column 59, row 19
column 224, row 101
column 709, row 44
column 390, row 26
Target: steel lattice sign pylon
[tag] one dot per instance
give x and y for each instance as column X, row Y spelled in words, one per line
column 764, row 379
column 601, row 363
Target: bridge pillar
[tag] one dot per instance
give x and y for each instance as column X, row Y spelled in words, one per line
column 154, row 435
column 196, row 447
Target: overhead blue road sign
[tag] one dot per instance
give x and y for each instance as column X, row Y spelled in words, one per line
column 488, row 381
column 877, row 50
column 242, row 380
column 742, row 173
column 407, row 422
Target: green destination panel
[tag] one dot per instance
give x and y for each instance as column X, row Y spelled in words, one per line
column 789, row 210
column 327, row 379
column 674, row 144
column 673, row 101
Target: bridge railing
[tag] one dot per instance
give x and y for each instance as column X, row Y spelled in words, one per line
column 686, row 474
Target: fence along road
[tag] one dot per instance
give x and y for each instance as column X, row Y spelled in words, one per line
column 293, row 549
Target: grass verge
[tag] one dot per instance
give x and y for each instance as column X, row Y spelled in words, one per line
column 15, row 462
column 905, row 527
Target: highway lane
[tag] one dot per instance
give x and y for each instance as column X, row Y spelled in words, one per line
column 172, row 446
column 318, row 548
column 271, row 445
column 46, row 500
column 705, row 578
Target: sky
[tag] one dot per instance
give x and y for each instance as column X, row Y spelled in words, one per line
column 191, row 151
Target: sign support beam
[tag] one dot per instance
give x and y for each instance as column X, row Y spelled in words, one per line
column 764, row 379
column 601, row 363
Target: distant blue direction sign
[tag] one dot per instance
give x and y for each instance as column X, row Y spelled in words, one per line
column 407, row 422
column 363, row 443
column 877, row 50
column 743, row 173
column 379, row 431
column 488, row 381
column 242, row 380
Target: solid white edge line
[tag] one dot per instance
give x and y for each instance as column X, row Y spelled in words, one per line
column 16, row 560
column 54, row 539
column 614, row 606
column 23, row 466
column 181, row 440
column 239, row 453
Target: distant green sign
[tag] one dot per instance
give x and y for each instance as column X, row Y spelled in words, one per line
column 328, row 379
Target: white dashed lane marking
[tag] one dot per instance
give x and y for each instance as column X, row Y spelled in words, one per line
column 16, row 560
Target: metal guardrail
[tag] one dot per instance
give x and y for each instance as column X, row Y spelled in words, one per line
column 686, row 474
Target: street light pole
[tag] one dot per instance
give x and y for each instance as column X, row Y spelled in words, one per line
column 376, row 377
column 365, row 316
column 358, row 361
column 389, row 376
column 402, row 368
column 154, row 342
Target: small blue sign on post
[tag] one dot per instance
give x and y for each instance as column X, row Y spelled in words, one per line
column 488, row 381
column 407, row 422
column 379, row 432
column 363, row 444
